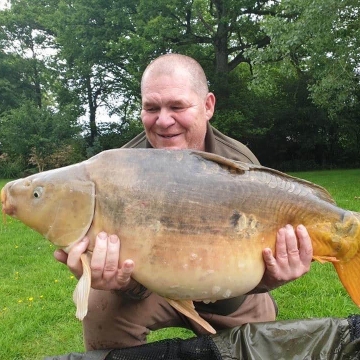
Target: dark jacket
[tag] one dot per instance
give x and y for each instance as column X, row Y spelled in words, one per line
column 215, row 142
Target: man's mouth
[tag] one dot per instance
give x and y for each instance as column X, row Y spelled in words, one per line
column 168, row 136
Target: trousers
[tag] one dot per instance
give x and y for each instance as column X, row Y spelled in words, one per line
column 114, row 322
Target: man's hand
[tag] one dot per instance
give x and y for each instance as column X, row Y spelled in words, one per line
column 292, row 259
column 106, row 271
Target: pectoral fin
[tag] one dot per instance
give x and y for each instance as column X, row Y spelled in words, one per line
column 325, row 259
column 187, row 308
column 82, row 290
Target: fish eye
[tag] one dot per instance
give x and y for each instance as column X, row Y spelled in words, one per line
column 37, row 192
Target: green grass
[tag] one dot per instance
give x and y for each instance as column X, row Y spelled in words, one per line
column 36, row 311
column 37, row 315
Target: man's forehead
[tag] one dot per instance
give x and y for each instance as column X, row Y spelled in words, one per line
column 171, row 71
column 165, row 99
column 178, row 77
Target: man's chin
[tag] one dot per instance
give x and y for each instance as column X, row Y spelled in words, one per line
column 173, row 148
column 173, row 144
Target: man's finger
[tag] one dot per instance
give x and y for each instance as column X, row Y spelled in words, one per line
column 73, row 260
column 99, row 255
column 61, row 256
column 112, row 257
column 280, row 246
column 268, row 257
column 305, row 244
column 124, row 275
column 292, row 246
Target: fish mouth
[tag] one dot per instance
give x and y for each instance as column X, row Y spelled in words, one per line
column 3, row 199
column 6, row 209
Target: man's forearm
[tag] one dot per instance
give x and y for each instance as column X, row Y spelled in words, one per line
column 134, row 292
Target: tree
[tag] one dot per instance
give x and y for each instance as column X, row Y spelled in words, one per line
column 320, row 38
column 15, row 83
column 320, row 41
column 23, row 34
column 35, row 134
column 84, row 31
column 223, row 29
column 285, row 73
column 32, row 127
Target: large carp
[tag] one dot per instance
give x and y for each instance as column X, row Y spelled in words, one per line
column 194, row 223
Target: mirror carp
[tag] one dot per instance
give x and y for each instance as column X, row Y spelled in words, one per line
column 194, row 223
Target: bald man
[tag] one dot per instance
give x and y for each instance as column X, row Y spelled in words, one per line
column 176, row 109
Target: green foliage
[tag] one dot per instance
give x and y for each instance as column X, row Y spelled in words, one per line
column 320, row 38
column 9, row 168
column 112, row 135
column 115, row 135
column 285, row 74
column 15, row 82
column 240, row 119
column 223, row 30
column 35, row 134
column 95, row 75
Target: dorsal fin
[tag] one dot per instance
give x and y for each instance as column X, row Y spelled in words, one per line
column 318, row 190
column 240, row 166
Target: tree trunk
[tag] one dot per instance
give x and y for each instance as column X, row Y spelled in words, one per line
column 221, row 82
column 37, row 83
column 92, row 110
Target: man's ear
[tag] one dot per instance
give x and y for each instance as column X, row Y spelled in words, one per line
column 210, row 105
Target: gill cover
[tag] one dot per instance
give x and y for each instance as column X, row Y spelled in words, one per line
column 63, row 212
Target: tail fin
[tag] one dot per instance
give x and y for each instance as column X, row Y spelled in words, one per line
column 349, row 274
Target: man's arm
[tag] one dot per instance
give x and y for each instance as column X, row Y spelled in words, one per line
column 106, row 271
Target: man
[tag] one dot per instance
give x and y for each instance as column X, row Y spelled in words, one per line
column 176, row 109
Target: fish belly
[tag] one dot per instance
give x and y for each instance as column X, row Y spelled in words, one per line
column 196, row 228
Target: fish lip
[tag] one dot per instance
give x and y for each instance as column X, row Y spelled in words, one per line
column 3, row 196
column 9, row 210
column 6, row 208
column 3, row 201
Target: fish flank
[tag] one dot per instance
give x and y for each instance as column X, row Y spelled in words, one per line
column 179, row 214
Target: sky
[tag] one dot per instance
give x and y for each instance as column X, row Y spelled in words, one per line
column 3, row 3
column 101, row 112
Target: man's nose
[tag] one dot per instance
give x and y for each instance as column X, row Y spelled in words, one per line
column 165, row 118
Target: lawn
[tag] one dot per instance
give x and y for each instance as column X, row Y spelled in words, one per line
column 37, row 316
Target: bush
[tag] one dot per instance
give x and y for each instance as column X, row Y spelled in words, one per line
column 9, row 168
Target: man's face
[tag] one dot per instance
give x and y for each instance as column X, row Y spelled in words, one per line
column 173, row 114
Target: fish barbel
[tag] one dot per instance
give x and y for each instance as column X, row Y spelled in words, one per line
column 194, row 223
